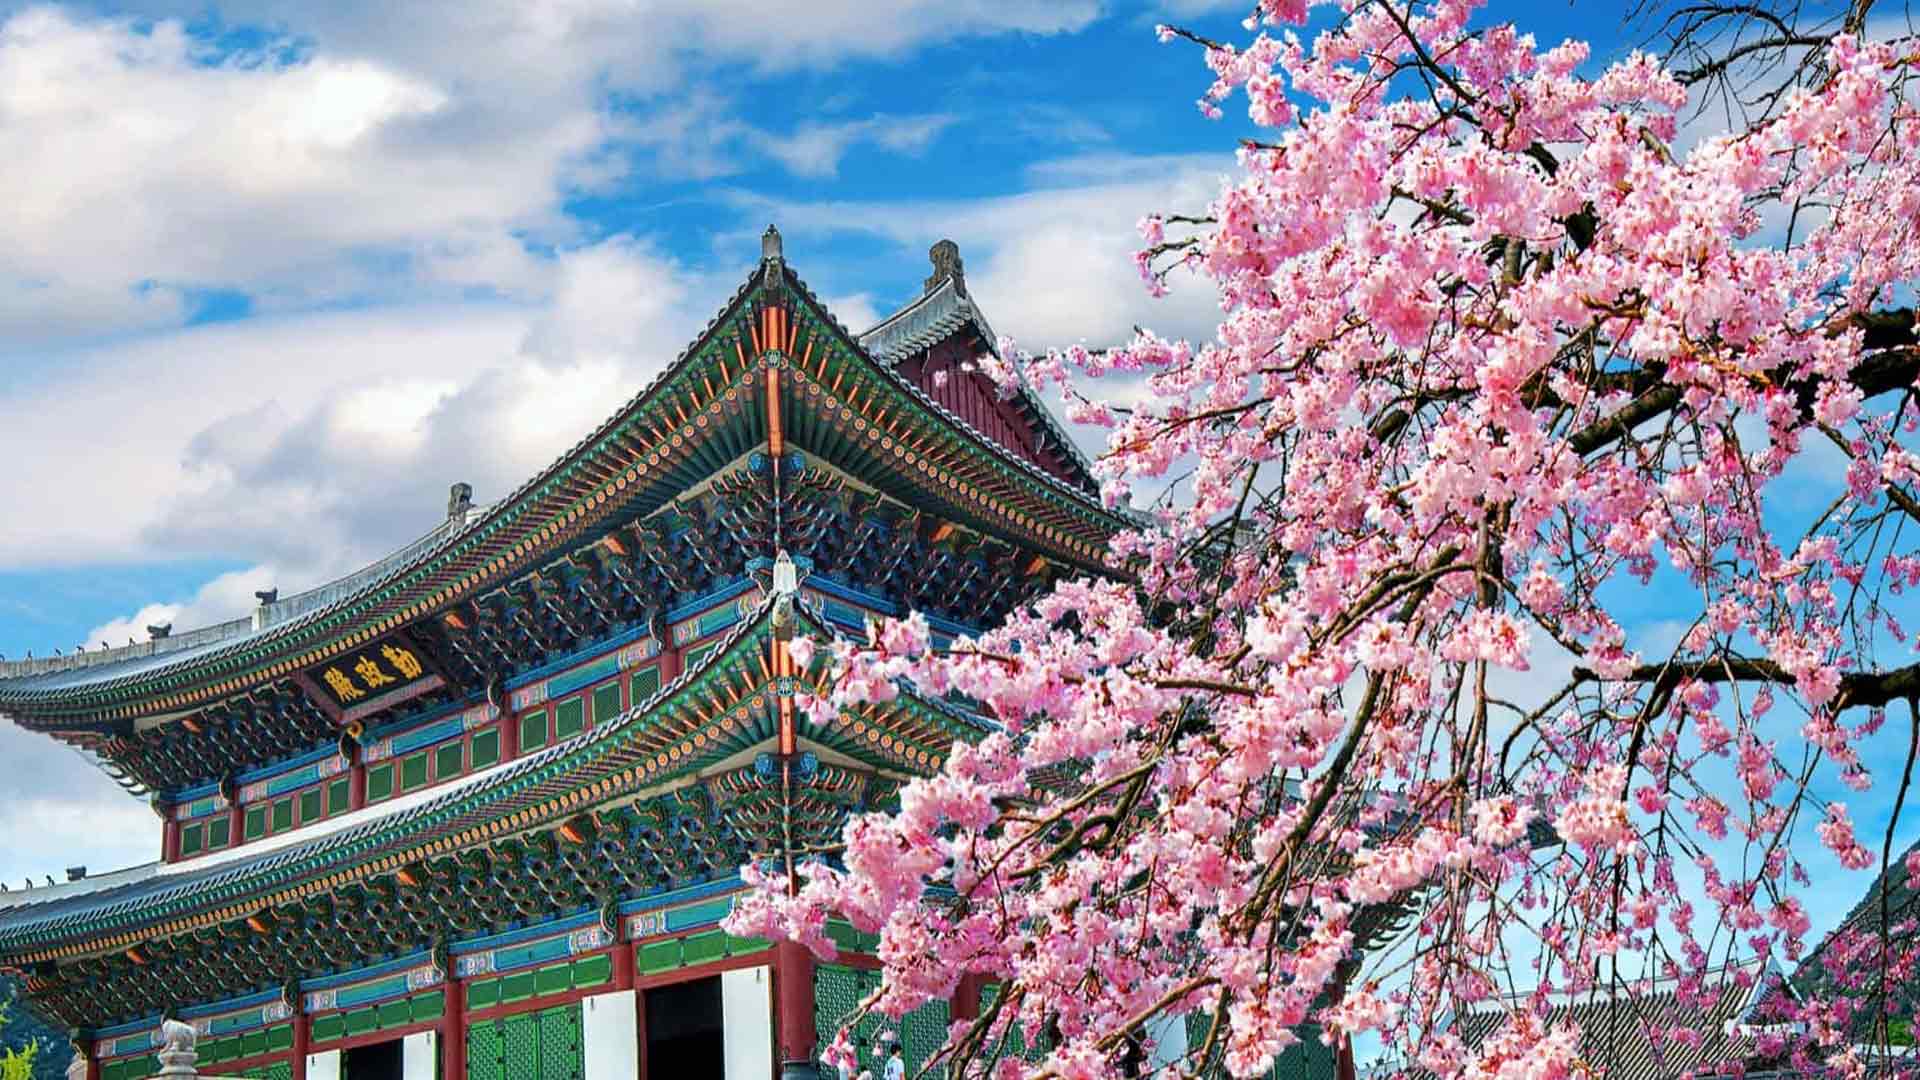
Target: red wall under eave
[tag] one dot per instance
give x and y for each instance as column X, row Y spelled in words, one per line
column 972, row 397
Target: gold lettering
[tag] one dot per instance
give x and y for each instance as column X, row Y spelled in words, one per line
column 402, row 660
column 369, row 671
column 342, row 686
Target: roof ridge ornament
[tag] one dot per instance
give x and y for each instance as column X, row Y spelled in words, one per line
column 772, row 258
column 945, row 257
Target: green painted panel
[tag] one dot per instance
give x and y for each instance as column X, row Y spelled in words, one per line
column 593, row 971
column 719, row 619
column 256, row 823
column 606, row 702
column 703, row 948
column 533, row 731
column 484, row 994
column 569, row 718
column 413, row 772
column 486, row 1052
column 361, row 1021
column 659, row 956
column 218, row 831
column 740, row 946
column 330, row 1027
column 192, row 839
column 310, row 805
column 396, row 1013
column 280, row 1038
column 253, row 1044
column 215, row 1051
column 429, row 1006
column 449, row 761
column 283, row 815
column 553, row 980
column 516, row 987
column 695, row 656
column 339, row 796
column 486, row 748
column 379, row 782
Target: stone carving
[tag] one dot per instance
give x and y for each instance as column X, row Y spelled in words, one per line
column 177, row 1053
column 77, row 1068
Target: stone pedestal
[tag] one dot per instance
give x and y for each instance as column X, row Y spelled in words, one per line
column 178, row 1055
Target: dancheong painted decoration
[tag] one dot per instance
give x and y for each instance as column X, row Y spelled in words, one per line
column 477, row 810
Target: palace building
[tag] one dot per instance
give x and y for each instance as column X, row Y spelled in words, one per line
column 477, row 810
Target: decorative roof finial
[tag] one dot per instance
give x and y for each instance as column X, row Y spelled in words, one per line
column 786, row 576
column 770, row 244
column 946, row 264
column 459, row 500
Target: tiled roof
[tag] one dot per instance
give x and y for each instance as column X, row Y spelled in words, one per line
column 933, row 318
column 1618, row 1024
column 250, row 868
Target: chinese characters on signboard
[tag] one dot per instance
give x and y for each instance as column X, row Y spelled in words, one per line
column 372, row 671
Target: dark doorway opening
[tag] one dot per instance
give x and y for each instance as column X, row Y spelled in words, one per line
column 379, row 1061
column 686, row 1035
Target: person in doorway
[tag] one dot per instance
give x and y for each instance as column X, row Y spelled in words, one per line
column 896, row 1064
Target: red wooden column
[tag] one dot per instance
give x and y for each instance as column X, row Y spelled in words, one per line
column 453, row 1031
column 356, row 783
column 91, row 1052
column 966, row 998
column 793, row 1008
column 170, row 838
column 622, row 963
column 302, row 1038
column 235, row 820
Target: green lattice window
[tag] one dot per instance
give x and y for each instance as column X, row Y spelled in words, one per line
column 413, row 772
column 645, row 684
column 379, row 782
column 486, row 748
column 486, row 1052
column 569, row 718
column 283, row 815
column 541, row 1045
column 218, row 831
column 533, row 730
column 838, row 990
column 310, row 805
column 192, row 839
column 696, row 656
column 340, row 796
column 1015, row 1043
column 449, row 761
column 256, row 823
column 606, row 702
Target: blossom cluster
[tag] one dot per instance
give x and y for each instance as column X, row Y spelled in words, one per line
column 1502, row 356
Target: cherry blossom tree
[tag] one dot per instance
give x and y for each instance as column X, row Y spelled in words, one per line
column 1371, row 724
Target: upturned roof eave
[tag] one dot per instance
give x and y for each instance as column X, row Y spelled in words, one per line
column 18, row 698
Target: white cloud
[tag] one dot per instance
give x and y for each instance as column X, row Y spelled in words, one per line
column 178, row 169
column 311, row 446
column 815, row 150
column 428, row 136
column 1052, row 266
column 225, row 597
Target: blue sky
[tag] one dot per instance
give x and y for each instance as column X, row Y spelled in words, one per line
column 274, row 273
